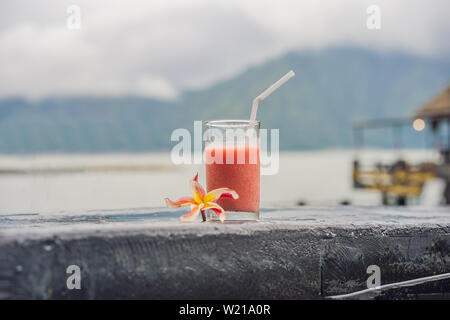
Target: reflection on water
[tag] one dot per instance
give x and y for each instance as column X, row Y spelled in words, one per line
column 142, row 180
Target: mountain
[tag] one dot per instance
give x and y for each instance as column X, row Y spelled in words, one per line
column 314, row 109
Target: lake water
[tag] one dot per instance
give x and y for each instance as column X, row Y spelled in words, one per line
column 314, row 177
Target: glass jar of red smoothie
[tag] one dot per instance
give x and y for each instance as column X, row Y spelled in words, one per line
column 232, row 161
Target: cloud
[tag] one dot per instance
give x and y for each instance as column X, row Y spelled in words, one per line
column 159, row 48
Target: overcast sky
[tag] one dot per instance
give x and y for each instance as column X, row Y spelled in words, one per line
column 159, row 48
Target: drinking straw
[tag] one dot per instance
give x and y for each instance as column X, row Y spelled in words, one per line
column 267, row 92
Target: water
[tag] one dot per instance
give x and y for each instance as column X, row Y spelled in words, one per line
column 313, row 177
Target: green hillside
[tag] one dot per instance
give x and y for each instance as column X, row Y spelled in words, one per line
column 313, row 110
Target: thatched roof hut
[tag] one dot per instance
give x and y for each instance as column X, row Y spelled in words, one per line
column 438, row 107
column 438, row 110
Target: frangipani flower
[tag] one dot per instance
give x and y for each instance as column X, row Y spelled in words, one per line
column 201, row 201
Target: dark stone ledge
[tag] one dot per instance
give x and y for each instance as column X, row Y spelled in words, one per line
column 292, row 253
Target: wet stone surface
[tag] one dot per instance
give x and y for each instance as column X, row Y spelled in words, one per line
column 292, row 253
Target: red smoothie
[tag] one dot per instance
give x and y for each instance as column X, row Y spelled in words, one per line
column 241, row 176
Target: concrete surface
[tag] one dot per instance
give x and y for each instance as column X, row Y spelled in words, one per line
column 292, row 253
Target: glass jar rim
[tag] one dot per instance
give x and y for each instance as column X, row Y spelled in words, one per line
column 220, row 123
